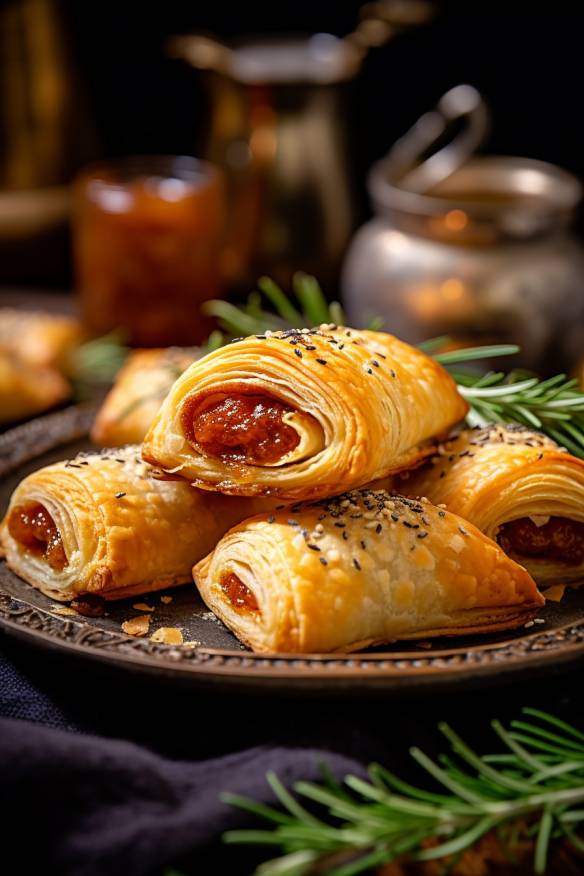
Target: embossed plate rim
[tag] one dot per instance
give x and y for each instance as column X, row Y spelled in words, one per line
column 387, row 670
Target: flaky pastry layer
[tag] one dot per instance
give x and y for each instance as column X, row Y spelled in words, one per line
column 363, row 404
column 362, row 569
column 500, row 474
column 122, row 532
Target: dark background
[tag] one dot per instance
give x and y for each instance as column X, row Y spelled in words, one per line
column 526, row 59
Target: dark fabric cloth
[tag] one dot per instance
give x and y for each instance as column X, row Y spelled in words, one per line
column 78, row 804
column 80, row 801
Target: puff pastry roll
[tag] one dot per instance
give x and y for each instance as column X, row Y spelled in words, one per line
column 26, row 390
column 302, row 414
column 39, row 338
column 362, row 569
column 519, row 488
column 98, row 524
column 140, row 387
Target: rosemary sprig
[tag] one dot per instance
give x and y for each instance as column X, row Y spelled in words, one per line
column 537, row 783
column 554, row 406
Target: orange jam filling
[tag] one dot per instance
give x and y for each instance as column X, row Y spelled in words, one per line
column 559, row 539
column 32, row 526
column 238, row 593
column 242, row 428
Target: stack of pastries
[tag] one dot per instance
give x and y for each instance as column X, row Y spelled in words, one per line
column 309, row 482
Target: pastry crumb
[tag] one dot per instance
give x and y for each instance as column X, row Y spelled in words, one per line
column 166, row 599
column 137, row 626
column 555, row 593
column 167, row 636
column 143, row 606
column 65, row 611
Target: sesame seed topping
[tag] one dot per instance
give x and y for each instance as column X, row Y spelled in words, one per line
column 356, row 564
column 323, row 561
column 120, row 495
column 313, row 547
column 321, row 361
column 298, row 353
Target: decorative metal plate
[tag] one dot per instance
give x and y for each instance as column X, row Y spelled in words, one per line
column 212, row 654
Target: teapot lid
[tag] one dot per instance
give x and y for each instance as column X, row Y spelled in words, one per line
column 319, row 59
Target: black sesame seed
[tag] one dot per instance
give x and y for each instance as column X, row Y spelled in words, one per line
column 323, row 561
column 345, row 535
column 464, row 532
column 442, row 514
column 313, row 547
column 72, row 465
column 120, row 495
column 271, row 519
column 310, row 347
column 442, row 474
column 321, row 361
column 363, row 545
column 298, row 353
column 369, row 371
column 422, row 534
column 392, row 372
column 340, row 525
column 357, row 564
column 375, row 363
column 378, row 528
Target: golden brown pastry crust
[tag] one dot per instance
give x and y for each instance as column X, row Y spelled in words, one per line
column 122, row 532
column 498, row 474
column 362, row 569
column 26, row 390
column 365, row 405
column 140, row 387
column 39, row 338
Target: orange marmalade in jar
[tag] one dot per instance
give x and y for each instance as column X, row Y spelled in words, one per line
column 147, row 247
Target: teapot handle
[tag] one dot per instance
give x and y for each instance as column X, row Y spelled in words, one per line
column 407, row 166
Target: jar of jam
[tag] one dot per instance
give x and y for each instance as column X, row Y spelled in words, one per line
column 147, row 247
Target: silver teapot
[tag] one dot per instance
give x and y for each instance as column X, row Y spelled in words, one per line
column 478, row 248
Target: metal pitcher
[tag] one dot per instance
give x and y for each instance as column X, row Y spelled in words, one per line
column 277, row 129
column 478, row 248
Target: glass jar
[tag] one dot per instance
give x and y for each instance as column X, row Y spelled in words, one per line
column 147, row 247
column 486, row 255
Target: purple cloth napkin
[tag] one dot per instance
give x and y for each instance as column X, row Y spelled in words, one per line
column 80, row 805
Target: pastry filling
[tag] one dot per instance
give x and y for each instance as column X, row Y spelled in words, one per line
column 238, row 593
column 559, row 539
column 32, row 526
column 242, row 428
